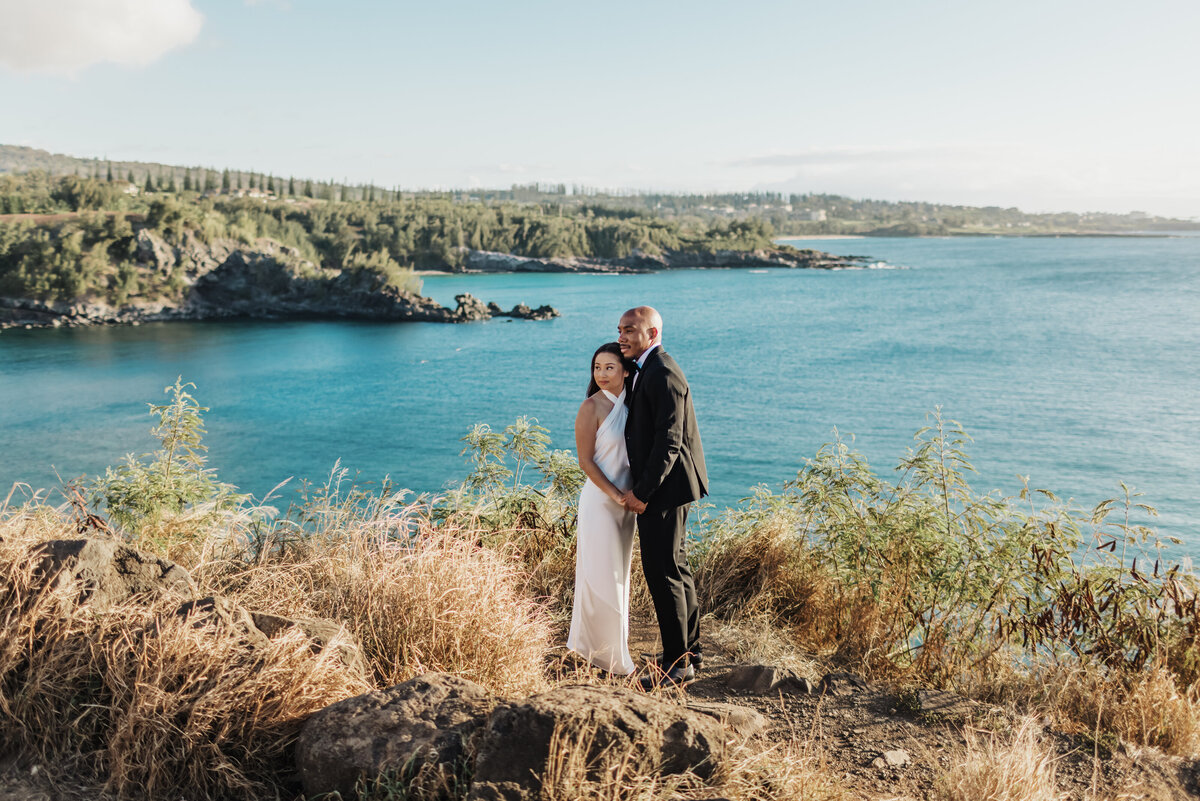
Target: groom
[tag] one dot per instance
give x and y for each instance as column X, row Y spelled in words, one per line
column 667, row 464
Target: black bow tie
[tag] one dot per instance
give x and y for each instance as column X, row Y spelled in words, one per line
column 637, row 368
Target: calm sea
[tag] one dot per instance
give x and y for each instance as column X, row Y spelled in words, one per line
column 1072, row 361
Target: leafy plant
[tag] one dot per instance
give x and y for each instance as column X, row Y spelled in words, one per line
column 926, row 577
column 146, row 489
column 500, row 457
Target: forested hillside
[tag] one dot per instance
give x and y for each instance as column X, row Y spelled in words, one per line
column 70, row 237
column 788, row 213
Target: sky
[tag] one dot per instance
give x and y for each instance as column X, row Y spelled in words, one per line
column 1054, row 105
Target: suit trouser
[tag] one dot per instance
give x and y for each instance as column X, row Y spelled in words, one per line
column 662, row 534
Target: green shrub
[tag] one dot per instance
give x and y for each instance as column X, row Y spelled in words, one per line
column 144, row 490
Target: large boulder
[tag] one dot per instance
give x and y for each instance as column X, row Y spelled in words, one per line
column 425, row 728
column 522, row 312
column 154, row 252
column 470, row 308
column 599, row 724
column 109, row 573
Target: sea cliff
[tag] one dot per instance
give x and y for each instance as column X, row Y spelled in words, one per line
column 187, row 277
column 226, row 279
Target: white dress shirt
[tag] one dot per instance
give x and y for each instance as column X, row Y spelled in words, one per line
column 641, row 360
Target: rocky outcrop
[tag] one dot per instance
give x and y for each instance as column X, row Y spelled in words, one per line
column 105, row 573
column 639, row 262
column 108, row 573
column 441, row 733
column 266, row 280
column 427, row 727
column 646, row 734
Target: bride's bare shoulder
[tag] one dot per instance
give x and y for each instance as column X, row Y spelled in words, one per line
column 590, row 404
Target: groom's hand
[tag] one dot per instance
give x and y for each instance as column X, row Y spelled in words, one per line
column 633, row 503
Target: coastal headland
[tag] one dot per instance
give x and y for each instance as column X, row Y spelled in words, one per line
column 77, row 251
column 225, row 279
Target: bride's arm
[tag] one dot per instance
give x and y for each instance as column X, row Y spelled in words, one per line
column 585, row 445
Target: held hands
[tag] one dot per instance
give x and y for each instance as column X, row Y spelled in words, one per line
column 631, row 502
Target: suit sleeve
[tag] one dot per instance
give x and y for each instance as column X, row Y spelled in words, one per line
column 670, row 411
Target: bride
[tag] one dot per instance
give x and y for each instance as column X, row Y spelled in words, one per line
column 604, row 535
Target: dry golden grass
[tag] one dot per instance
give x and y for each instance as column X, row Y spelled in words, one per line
column 759, row 576
column 140, row 699
column 795, row 772
column 155, row 706
column 758, row 640
column 1019, row 769
column 1147, row 708
column 1154, row 711
column 756, row 571
column 436, row 601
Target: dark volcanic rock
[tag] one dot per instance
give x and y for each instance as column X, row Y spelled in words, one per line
column 741, row 720
column 841, row 684
column 470, row 308
column 225, row 615
column 941, row 705
column 254, row 284
column 110, row 573
column 523, row 312
column 754, row 678
column 426, row 727
column 767, row 679
column 655, row 736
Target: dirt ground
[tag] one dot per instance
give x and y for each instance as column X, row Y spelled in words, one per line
column 849, row 728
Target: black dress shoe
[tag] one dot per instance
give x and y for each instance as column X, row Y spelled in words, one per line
column 675, row 677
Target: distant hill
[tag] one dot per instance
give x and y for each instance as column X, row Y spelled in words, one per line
column 794, row 214
column 20, row 159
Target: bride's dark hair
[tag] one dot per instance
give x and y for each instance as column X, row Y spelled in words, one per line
column 615, row 350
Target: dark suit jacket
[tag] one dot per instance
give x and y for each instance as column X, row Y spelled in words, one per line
column 665, row 455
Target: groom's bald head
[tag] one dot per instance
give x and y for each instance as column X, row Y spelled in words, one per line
column 639, row 329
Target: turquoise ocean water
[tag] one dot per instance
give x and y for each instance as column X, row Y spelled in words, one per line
column 1072, row 361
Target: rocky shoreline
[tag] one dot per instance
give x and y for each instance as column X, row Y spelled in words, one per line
column 482, row 261
column 380, row 305
column 229, row 279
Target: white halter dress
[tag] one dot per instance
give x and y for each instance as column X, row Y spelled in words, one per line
column 604, row 546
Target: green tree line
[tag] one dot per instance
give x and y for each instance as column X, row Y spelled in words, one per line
column 68, row 238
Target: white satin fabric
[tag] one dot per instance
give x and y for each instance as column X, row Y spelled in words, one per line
column 604, row 546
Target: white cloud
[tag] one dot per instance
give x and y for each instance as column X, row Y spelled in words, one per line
column 66, row 36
